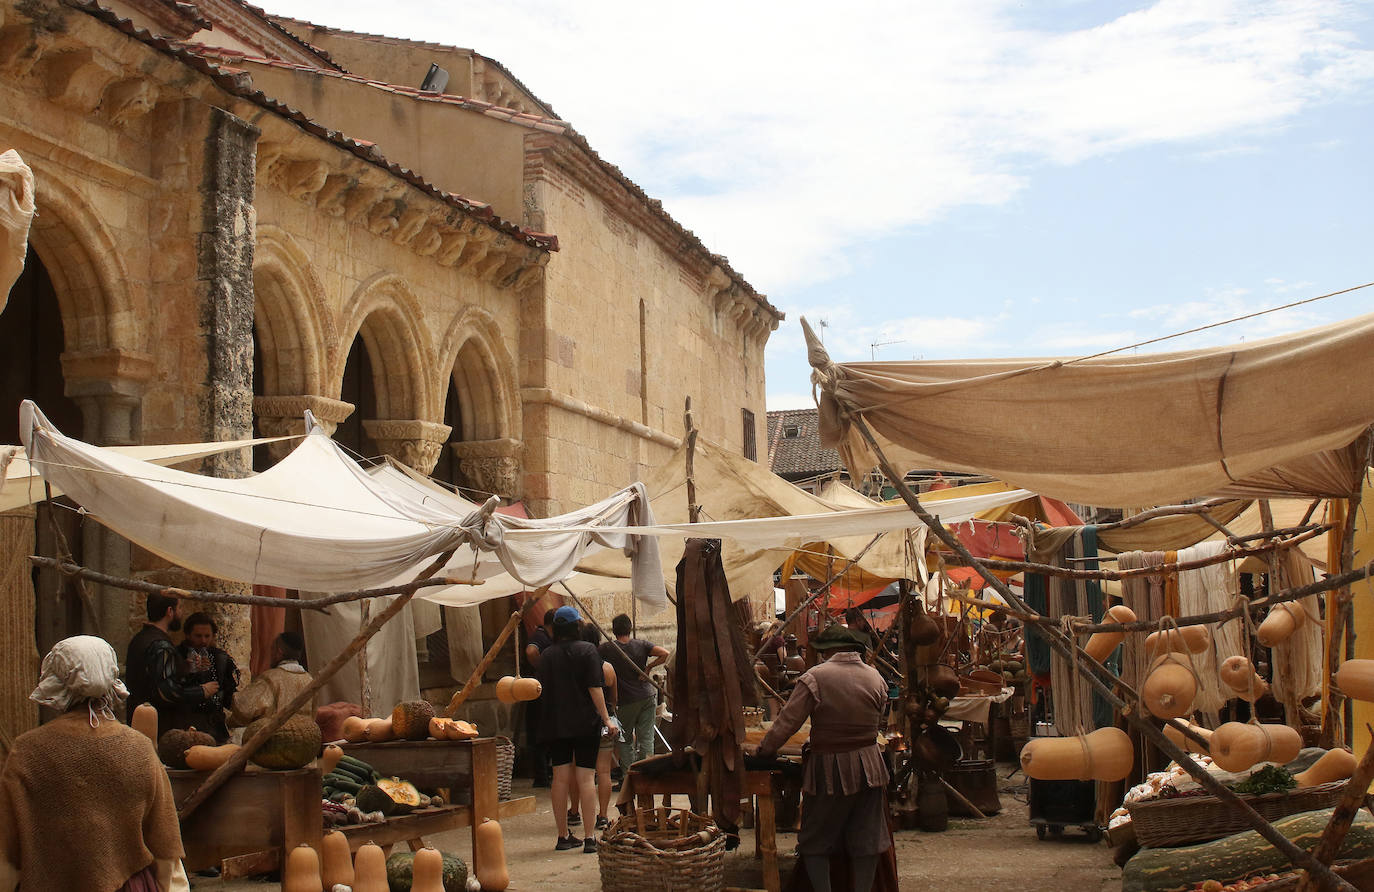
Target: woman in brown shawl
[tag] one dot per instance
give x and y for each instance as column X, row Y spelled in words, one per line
column 86, row 803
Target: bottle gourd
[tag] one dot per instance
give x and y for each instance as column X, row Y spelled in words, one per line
column 1170, row 688
column 1283, row 620
column 1101, row 644
column 1240, row 677
column 427, row 871
column 1355, row 678
column 1236, row 746
column 489, row 857
column 1105, row 755
column 336, row 861
column 369, row 869
column 1185, row 639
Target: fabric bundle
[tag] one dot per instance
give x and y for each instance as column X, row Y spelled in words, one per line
column 1297, row 662
column 1207, row 590
column 1145, row 596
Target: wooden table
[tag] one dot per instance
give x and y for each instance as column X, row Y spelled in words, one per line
column 247, row 824
column 759, row 784
column 466, row 768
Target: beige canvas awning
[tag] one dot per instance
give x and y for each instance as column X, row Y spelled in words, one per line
column 16, row 212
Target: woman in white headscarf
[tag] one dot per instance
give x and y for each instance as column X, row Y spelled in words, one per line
column 87, row 804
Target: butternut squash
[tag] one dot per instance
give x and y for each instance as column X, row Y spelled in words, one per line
column 1283, row 620
column 489, row 857
column 1105, row 755
column 208, row 758
column 1188, row 744
column 1185, row 639
column 460, row 730
column 302, row 871
column 144, row 721
column 1239, row 676
column 369, row 869
column 379, row 730
column 355, row 729
column 1101, row 644
column 1170, row 688
column 1334, row 765
column 438, row 727
column 525, row 689
column 329, row 758
column 504, row 689
column 1237, row 746
column 336, row 861
column 427, row 871
column 1355, row 678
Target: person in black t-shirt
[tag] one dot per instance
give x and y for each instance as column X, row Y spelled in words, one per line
column 572, row 717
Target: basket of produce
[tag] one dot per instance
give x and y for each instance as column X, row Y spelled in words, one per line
column 1190, row 817
column 663, row 850
column 505, row 766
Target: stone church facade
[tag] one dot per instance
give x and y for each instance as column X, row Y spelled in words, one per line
column 241, row 218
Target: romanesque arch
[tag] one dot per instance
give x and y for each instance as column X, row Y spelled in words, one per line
column 484, row 375
column 385, row 313
column 297, row 338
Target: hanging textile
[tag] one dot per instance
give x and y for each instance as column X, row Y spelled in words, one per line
column 1145, row 596
column 1297, row 662
column 1207, row 590
column 393, row 672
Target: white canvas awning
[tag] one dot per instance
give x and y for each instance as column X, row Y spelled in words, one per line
column 16, row 213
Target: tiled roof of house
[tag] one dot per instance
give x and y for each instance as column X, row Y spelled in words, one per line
column 237, row 83
column 275, row 25
column 794, row 445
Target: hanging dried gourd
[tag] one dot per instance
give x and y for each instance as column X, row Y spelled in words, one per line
column 1355, row 678
column 1104, row 755
column 1283, row 620
column 1186, row 743
column 1184, row 639
column 1170, row 687
column 1239, row 675
column 1101, row 644
column 1237, row 746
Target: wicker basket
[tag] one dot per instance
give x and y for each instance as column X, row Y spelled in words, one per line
column 1190, row 819
column 505, row 766
column 662, row 850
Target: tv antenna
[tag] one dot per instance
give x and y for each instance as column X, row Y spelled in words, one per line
column 822, row 324
column 876, row 344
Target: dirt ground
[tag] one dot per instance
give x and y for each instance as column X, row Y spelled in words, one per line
column 1000, row 853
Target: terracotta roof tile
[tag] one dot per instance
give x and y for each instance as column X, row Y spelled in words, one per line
column 237, row 83
column 277, row 26
column 794, row 445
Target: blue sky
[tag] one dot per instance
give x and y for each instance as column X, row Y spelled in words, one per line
column 973, row 177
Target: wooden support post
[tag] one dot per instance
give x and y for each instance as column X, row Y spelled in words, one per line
column 475, row 678
column 1093, row 673
column 693, row 509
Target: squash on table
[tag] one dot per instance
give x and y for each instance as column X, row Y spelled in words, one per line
column 525, row 689
column 144, row 721
column 1106, row 755
column 1240, row 677
column 1101, row 644
column 504, row 689
column 1334, row 765
column 438, row 727
column 1283, row 620
column 1170, row 687
column 1185, row 639
column 355, row 729
column 208, row 758
column 302, row 871
column 379, row 730
column 410, row 719
column 173, row 744
column 369, row 869
column 1188, row 744
column 336, row 861
column 489, row 856
column 1236, row 745
column 1355, row 678
column 330, row 758
column 460, row 730
column 294, row 745
column 427, row 871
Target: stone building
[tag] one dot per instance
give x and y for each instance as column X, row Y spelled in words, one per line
column 241, row 217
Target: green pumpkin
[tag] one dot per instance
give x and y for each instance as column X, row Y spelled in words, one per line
column 293, row 745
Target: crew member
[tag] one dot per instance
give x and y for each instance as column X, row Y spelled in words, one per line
column 154, row 672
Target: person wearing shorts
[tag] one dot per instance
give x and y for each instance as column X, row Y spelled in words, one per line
column 572, row 716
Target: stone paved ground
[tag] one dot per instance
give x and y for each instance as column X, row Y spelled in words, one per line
column 1001, row 853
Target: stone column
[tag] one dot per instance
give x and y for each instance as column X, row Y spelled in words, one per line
column 284, row 416
column 414, row 443
column 491, row 466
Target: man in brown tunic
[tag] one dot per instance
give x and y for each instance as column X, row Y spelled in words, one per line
column 843, row 808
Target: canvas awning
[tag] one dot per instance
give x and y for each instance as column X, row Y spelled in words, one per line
column 16, row 213
column 1275, row 417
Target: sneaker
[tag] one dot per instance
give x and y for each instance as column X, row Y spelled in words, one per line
column 602, row 823
column 574, row 817
column 567, row 842
column 589, row 846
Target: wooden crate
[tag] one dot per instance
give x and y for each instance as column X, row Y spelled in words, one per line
column 246, row 825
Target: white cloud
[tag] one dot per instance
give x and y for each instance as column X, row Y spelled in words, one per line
column 784, row 134
column 778, row 401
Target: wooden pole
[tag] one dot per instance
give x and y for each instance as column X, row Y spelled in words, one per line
column 693, row 509
column 475, row 678
column 1090, row 670
column 824, row 589
column 1352, row 798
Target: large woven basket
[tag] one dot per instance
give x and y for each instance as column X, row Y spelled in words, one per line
column 662, row 850
column 1177, row 822
column 505, row 765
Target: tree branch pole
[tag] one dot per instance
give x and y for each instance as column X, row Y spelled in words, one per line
column 1356, row 789
column 1339, row 619
column 824, row 589
column 475, row 677
column 64, row 552
column 68, row 568
column 693, row 509
column 1175, row 567
column 1293, row 594
column 250, row 746
column 1069, row 649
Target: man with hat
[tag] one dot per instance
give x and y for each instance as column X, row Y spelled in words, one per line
column 843, row 807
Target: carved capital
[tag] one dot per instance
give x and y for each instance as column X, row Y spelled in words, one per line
column 415, row 443
column 491, row 465
column 106, row 371
column 284, row 416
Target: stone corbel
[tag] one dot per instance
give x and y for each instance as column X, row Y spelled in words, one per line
column 21, row 47
column 411, row 221
column 330, row 199
column 359, row 201
column 128, row 100
column 78, row 79
column 429, row 241
column 302, row 178
column 284, row 416
column 381, row 220
column 414, row 443
column 491, row 466
column 492, row 266
column 108, row 385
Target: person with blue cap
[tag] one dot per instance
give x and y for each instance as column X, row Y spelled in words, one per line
column 572, row 718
